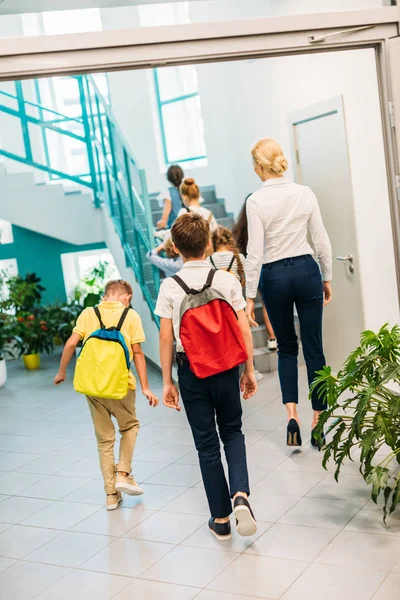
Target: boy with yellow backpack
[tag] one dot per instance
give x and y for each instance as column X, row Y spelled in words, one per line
column 112, row 333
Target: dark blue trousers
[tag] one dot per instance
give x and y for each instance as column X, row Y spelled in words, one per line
column 285, row 284
column 210, row 402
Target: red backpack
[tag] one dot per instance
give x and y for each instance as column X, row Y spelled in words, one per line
column 209, row 330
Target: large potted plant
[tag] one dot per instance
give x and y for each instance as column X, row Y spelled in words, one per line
column 364, row 414
column 34, row 337
column 90, row 290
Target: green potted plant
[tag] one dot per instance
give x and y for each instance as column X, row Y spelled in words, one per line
column 364, row 413
column 24, row 293
column 34, row 337
column 89, row 292
column 61, row 319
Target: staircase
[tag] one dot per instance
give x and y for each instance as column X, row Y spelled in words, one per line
column 214, row 204
column 114, row 189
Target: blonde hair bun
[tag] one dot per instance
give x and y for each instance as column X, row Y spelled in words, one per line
column 269, row 154
column 189, row 181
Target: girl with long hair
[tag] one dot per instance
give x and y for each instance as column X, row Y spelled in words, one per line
column 226, row 255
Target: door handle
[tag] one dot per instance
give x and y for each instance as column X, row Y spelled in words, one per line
column 350, row 259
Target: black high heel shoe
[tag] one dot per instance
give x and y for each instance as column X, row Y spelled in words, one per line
column 318, row 443
column 293, row 433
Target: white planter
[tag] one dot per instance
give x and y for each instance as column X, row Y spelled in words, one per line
column 3, row 372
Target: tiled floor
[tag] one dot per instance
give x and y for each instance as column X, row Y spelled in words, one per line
column 316, row 539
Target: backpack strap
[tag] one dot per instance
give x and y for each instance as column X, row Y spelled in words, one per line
column 231, row 263
column 212, row 262
column 122, row 319
column 210, row 279
column 187, row 208
column 182, row 284
column 98, row 315
column 189, row 290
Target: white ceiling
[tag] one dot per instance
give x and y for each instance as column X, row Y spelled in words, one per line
column 10, row 7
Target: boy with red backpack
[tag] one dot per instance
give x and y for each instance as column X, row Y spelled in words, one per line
column 204, row 310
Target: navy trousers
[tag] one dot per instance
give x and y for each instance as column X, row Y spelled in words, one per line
column 209, row 402
column 285, row 284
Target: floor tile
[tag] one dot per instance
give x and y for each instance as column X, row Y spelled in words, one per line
column 5, row 563
column 52, row 488
column 370, row 520
column 15, row 510
column 292, row 542
column 305, row 460
column 86, row 585
column 154, row 590
column 271, row 507
column 163, row 452
column 318, row 512
column 262, row 458
column 288, row 483
column 155, row 497
column 47, row 465
column 127, row 557
column 91, row 492
column 112, row 522
column 144, row 470
column 77, row 448
column 190, row 566
column 389, row 589
column 61, row 515
column 87, row 468
column 13, row 442
column 9, row 461
column 25, row 580
column 43, row 446
column 19, row 541
column 4, row 526
column 70, row 549
column 362, row 550
column 14, row 482
column 329, row 583
column 183, row 475
column 172, row 529
column 259, row 576
column 193, row 501
column 349, row 487
column 202, row 538
column 214, row 595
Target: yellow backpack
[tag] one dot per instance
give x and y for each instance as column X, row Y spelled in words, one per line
column 103, row 364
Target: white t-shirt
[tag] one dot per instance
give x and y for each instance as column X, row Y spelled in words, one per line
column 195, row 273
column 204, row 212
column 222, row 260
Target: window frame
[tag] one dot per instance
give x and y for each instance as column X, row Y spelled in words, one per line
column 160, row 103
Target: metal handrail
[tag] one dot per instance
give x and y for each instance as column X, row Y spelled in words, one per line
column 115, row 176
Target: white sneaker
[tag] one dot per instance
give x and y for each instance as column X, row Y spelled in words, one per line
column 272, row 344
column 258, row 375
column 127, row 485
column 113, row 501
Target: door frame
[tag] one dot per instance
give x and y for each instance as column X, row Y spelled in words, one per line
column 111, row 50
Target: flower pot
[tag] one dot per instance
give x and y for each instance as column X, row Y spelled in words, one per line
column 31, row 361
column 3, row 372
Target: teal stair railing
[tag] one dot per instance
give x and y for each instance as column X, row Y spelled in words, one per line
column 111, row 170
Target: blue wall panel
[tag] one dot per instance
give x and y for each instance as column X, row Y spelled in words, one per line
column 41, row 254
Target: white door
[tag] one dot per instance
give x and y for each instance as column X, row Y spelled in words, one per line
column 322, row 163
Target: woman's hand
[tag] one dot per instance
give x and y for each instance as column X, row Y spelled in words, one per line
column 162, row 223
column 250, row 314
column 327, row 292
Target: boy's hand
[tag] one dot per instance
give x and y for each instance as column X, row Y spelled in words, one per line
column 248, row 384
column 153, row 400
column 59, row 378
column 171, row 396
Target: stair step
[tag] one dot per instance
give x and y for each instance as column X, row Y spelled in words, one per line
column 228, row 222
column 260, row 336
column 218, row 210
column 265, row 360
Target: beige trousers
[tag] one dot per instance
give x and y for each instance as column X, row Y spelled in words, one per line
column 125, row 413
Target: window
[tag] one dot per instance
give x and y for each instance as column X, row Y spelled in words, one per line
column 75, row 266
column 177, row 96
column 6, row 233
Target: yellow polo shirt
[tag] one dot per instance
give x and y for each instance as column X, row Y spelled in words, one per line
column 132, row 329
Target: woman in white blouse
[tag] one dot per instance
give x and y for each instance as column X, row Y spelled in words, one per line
column 280, row 215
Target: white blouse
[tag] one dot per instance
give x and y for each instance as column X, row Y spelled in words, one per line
column 280, row 215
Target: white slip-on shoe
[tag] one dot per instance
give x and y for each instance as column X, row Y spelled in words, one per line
column 128, row 485
column 113, row 501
